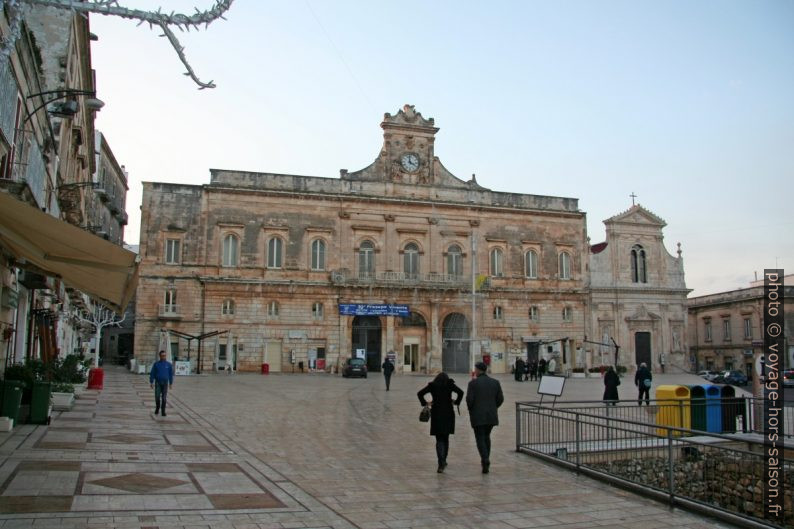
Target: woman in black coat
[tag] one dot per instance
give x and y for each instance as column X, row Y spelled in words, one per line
column 611, row 383
column 442, row 415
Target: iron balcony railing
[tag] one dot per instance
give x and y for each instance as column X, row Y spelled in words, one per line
column 645, row 448
column 402, row 278
column 169, row 310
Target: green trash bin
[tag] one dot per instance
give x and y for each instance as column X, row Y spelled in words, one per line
column 40, row 403
column 12, row 397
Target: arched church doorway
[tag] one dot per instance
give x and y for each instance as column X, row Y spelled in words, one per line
column 456, row 340
column 366, row 336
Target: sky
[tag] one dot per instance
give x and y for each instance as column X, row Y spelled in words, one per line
column 689, row 105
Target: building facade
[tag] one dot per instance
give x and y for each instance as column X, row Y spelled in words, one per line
column 306, row 272
column 725, row 329
column 638, row 294
column 48, row 170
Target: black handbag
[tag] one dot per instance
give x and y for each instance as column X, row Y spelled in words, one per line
column 424, row 415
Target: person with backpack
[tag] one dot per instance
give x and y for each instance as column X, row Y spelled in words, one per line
column 643, row 379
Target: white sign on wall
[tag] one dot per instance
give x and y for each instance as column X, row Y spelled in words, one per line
column 181, row 368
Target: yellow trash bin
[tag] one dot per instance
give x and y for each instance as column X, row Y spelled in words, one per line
column 674, row 408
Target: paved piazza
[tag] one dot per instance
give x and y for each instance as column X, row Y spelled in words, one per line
column 292, row 451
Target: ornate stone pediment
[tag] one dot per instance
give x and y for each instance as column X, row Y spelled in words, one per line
column 642, row 315
column 637, row 215
column 408, row 116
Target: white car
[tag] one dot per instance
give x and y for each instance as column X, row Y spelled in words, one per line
column 708, row 375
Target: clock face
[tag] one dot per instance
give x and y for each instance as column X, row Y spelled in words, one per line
column 410, row 161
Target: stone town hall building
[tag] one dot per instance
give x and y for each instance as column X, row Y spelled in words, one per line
column 295, row 270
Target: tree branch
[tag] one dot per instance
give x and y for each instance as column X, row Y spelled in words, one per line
column 112, row 8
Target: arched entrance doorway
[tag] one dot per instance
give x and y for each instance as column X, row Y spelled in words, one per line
column 366, row 336
column 455, row 339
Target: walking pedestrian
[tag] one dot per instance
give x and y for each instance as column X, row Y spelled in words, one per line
column 483, row 398
column 611, row 383
column 388, row 369
column 643, row 379
column 442, row 416
column 541, row 367
column 518, row 372
column 533, row 370
column 161, row 378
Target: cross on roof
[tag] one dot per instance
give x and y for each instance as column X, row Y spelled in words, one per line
column 633, row 196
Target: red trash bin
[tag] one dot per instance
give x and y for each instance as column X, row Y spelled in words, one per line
column 96, row 378
column 265, row 369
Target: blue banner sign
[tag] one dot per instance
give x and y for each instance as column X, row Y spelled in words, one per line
column 362, row 309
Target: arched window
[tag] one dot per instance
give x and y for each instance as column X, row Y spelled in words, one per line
column 638, row 265
column 454, row 261
column 318, row 254
column 565, row 266
column 411, row 261
column 230, row 250
column 531, row 264
column 366, row 260
column 496, row 263
column 228, row 307
column 275, row 252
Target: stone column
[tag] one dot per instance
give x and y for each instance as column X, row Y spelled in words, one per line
column 390, row 337
column 434, row 350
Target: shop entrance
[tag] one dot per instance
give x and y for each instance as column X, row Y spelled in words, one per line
column 366, row 336
column 456, row 341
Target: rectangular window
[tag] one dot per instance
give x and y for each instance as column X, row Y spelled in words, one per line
column 317, row 311
column 726, row 330
column 748, row 329
column 170, row 306
column 497, row 312
column 172, row 251
column 567, row 314
column 272, row 308
column 708, row 331
column 533, row 313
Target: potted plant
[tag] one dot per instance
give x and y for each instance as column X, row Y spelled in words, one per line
column 62, row 395
column 577, row 372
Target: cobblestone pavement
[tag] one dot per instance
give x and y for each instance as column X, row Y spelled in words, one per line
column 292, row 451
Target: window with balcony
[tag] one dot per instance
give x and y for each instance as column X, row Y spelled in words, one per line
column 411, row 261
column 638, row 265
column 366, row 260
column 173, row 251
column 227, row 309
column 317, row 311
column 531, row 264
column 275, row 252
column 169, row 302
column 454, row 261
column 496, row 263
column 231, row 253
column 318, row 254
column 565, row 265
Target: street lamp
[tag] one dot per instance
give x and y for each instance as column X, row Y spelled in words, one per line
column 65, row 108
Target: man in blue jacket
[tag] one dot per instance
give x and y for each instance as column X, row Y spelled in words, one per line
column 161, row 378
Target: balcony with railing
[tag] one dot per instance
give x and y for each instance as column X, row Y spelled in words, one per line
column 169, row 311
column 402, row 279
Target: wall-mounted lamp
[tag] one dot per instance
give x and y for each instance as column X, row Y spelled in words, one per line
column 65, row 108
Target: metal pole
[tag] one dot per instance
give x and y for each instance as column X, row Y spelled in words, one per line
column 518, row 427
column 473, row 301
column 670, row 473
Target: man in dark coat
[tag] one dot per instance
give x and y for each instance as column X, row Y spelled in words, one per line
column 519, row 369
column 388, row 369
column 643, row 379
column 483, row 398
column 442, row 415
column 541, row 368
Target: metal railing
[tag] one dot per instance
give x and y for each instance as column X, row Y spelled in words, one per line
column 410, row 279
column 647, row 449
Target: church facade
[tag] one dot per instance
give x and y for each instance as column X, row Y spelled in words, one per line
column 400, row 259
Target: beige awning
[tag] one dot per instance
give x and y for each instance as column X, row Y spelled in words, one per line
column 80, row 259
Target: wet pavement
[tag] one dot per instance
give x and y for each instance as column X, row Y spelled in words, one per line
column 294, row 451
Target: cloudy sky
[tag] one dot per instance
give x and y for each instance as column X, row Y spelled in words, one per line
column 686, row 104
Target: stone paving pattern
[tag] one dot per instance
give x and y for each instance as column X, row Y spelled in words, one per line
column 294, row 451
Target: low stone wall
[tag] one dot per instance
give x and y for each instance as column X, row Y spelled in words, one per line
column 724, row 479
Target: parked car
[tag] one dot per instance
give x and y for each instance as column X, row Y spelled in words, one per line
column 788, row 378
column 733, row 377
column 355, row 367
column 708, row 375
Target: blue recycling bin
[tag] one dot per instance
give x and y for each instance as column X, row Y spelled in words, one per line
column 706, row 409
